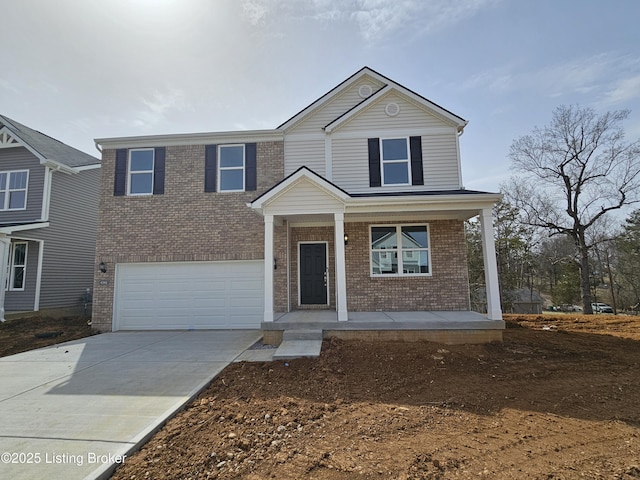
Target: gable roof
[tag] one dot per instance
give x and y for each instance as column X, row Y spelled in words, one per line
column 47, row 149
column 301, row 173
column 389, row 85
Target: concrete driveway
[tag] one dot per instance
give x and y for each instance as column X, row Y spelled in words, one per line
column 74, row 410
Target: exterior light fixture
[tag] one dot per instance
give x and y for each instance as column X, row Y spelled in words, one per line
column 346, row 238
column 275, row 263
column 102, row 267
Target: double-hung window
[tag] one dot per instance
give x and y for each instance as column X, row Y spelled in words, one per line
column 398, row 250
column 17, row 266
column 395, row 161
column 141, row 171
column 231, row 166
column 13, row 190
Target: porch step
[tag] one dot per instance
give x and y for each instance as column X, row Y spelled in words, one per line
column 299, row 344
column 302, row 334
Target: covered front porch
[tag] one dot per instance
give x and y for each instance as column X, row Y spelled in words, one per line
column 360, row 295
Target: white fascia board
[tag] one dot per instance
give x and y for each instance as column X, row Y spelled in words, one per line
column 459, row 122
column 246, row 136
column 21, row 228
column 88, row 167
column 416, row 203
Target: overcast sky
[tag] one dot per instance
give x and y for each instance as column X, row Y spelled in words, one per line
column 84, row 69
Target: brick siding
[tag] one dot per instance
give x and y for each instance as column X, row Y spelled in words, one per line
column 184, row 224
column 446, row 289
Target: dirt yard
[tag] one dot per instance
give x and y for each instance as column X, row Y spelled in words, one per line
column 20, row 335
column 559, row 399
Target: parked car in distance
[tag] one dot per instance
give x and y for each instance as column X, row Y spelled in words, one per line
column 601, row 308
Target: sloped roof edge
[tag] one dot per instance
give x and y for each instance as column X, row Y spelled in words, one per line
column 385, row 80
column 46, row 148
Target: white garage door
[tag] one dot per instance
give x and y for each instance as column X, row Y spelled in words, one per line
column 152, row 296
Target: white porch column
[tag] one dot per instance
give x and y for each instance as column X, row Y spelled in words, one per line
column 341, row 271
column 5, row 245
column 494, row 311
column 268, row 268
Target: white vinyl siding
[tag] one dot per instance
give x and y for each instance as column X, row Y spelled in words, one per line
column 374, row 117
column 440, row 162
column 152, row 296
column 315, row 122
column 300, row 152
column 303, row 198
column 351, row 164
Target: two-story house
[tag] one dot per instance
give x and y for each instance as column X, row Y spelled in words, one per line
column 354, row 206
column 48, row 219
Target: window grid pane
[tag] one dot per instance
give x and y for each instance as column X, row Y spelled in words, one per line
column 141, row 183
column 232, row 156
column 141, row 161
column 232, row 179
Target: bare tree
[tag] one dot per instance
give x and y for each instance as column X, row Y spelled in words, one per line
column 573, row 172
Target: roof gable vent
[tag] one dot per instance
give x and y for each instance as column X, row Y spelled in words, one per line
column 365, row 91
column 392, row 109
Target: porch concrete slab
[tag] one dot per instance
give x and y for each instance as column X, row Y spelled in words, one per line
column 290, row 349
column 416, row 320
column 116, row 391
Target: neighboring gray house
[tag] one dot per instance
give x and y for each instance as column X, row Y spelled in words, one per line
column 48, row 216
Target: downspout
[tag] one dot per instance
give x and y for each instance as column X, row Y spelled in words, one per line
column 36, row 300
column 5, row 245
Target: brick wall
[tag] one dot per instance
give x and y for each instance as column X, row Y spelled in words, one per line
column 183, row 224
column 446, row 289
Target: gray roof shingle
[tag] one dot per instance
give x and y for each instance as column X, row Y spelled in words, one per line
column 48, row 147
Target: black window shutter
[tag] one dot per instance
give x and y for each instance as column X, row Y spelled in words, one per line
column 210, row 167
column 120, row 181
column 250, row 167
column 374, row 162
column 415, row 144
column 158, row 171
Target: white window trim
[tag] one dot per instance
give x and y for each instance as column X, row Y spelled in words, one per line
column 7, row 190
column 399, row 251
column 12, row 266
column 407, row 161
column 221, row 168
column 130, row 173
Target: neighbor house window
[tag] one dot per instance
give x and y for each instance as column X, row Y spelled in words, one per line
column 400, row 250
column 141, row 171
column 231, row 168
column 17, row 265
column 13, row 190
column 395, row 161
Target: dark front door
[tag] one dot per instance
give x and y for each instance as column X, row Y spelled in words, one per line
column 313, row 273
